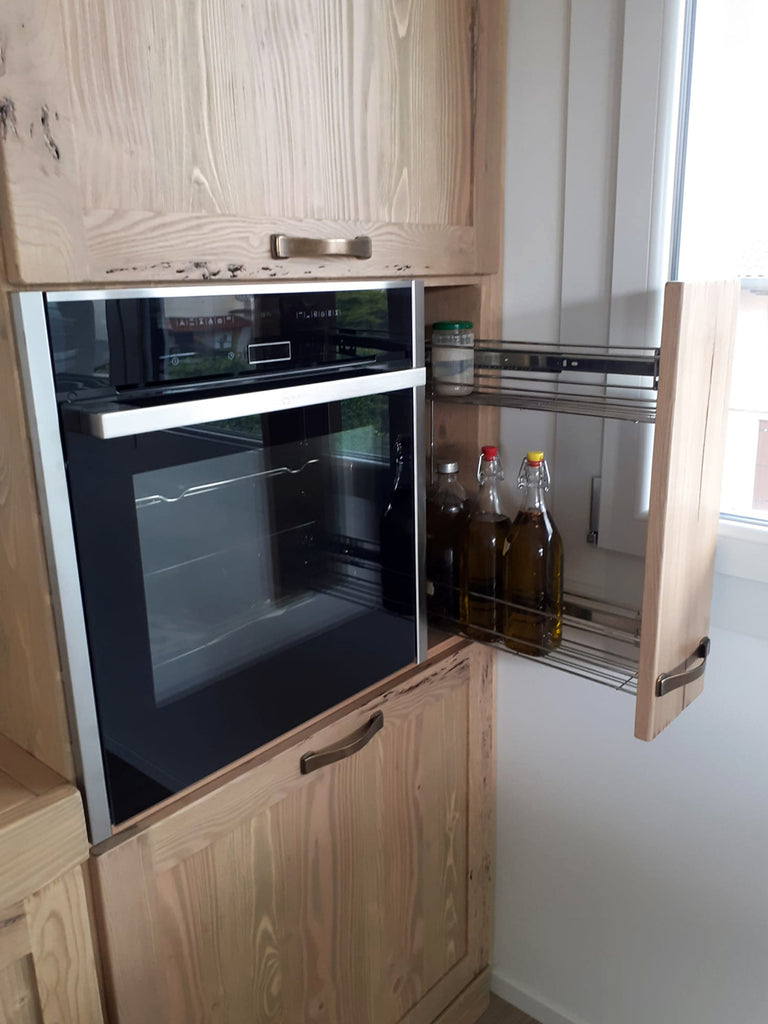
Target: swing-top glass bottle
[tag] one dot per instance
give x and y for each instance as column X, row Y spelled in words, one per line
column 533, row 619
column 487, row 531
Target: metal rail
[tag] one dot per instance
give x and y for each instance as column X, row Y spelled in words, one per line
column 575, row 379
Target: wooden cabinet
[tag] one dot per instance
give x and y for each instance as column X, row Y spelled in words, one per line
column 171, row 142
column 47, row 966
column 357, row 892
column 627, row 648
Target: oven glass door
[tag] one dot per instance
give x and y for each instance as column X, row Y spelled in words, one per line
column 233, row 583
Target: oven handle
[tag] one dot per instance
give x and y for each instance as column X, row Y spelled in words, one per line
column 110, row 419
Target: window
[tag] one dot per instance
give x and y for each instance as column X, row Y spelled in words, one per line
column 723, row 224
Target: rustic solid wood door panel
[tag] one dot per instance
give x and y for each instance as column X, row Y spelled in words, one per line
column 170, row 141
column 694, row 376
column 355, row 893
column 47, row 964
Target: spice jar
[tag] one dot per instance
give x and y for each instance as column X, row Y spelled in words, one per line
column 453, row 357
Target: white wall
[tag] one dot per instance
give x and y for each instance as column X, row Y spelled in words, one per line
column 632, row 878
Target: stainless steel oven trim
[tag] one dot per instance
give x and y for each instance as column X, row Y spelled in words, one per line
column 109, row 419
column 243, row 288
column 37, row 374
column 417, row 323
column 419, row 470
column 420, row 534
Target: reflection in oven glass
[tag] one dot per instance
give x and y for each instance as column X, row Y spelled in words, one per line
column 248, row 553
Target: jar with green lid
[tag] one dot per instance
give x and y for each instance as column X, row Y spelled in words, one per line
column 453, row 357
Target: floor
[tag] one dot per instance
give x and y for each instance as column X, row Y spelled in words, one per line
column 500, row 1012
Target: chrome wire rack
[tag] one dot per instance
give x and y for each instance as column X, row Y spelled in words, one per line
column 599, row 642
column 618, row 383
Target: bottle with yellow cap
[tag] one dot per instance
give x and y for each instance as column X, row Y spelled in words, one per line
column 533, row 619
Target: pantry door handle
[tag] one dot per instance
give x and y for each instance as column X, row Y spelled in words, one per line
column 685, row 673
column 285, row 246
column 319, row 759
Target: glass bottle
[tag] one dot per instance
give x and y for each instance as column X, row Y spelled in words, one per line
column 483, row 571
column 534, row 567
column 446, row 527
column 398, row 585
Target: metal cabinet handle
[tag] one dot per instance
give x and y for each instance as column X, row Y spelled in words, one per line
column 685, row 673
column 284, row 246
column 319, row 759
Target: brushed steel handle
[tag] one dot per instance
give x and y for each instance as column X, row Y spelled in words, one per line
column 108, row 419
column 319, row 759
column 285, row 246
column 690, row 669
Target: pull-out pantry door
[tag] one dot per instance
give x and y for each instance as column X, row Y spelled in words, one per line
column 694, row 376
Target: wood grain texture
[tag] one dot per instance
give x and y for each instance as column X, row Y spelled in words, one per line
column 62, row 951
column 141, row 245
column 15, row 943
column 469, row 1005
column 42, row 829
column 41, row 212
column 40, row 841
column 12, row 793
column 482, row 771
column 19, row 1002
column 694, row 377
column 124, row 912
column 32, row 707
column 489, row 140
column 47, row 966
column 183, row 136
column 306, row 110
column 459, row 431
column 25, row 770
column 348, row 894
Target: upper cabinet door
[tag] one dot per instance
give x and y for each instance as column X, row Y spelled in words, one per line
column 173, row 141
column 694, row 375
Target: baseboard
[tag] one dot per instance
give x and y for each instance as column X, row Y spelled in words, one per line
column 529, row 1002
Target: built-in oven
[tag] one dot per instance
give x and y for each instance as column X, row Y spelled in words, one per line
column 233, row 510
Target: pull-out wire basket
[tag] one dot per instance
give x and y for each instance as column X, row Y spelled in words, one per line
column 618, row 383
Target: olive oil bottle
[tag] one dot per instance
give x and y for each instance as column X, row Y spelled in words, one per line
column 533, row 567
column 485, row 552
column 446, row 534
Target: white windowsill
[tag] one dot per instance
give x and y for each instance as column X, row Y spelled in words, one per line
column 742, row 550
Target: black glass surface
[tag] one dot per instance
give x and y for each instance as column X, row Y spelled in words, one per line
column 134, row 347
column 232, row 582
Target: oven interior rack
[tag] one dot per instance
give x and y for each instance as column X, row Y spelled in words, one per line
column 600, row 642
column 565, row 378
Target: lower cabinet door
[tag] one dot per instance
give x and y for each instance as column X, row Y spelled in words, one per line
column 47, row 965
column 357, row 892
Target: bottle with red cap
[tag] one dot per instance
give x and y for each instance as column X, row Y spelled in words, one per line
column 483, row 570
column 533, row 567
